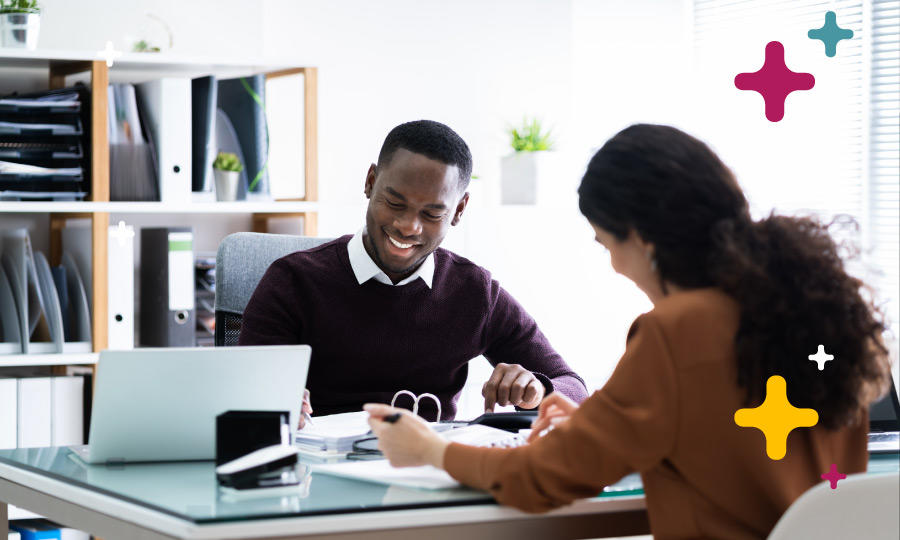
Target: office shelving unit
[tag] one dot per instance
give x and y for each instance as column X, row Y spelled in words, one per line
column 57, row 69
column 33, row 70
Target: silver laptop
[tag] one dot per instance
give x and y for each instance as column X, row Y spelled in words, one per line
column 161, row 404
column 884, row 424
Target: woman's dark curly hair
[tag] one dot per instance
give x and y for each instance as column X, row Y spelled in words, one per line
column 785, row 272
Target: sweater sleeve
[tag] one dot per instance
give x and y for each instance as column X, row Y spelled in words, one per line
column 513, row 337
column 628, row 425
column 272, row 316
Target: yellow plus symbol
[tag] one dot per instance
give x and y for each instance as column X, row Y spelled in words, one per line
column 776, row 417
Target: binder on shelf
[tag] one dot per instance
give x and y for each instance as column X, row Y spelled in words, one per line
column 132, row 161
column 120, row 268
column 18, row 263
column 204, row 92
column 167, row 287
column 243, row 100
column 34, row 412
column 286, row 121
column 67, row 412
column 8, row 413
column 167, row 105
column 10, row 334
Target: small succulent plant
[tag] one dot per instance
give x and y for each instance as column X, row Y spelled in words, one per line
column 226, row 161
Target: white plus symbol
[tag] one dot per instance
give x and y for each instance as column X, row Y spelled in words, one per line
column 820, row 357
column 109, row 54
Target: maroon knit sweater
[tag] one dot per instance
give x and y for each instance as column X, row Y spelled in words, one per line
column 371, row 340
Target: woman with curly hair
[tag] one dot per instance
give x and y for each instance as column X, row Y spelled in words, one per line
column 736, row 301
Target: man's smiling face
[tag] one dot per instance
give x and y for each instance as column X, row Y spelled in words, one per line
column 413, row 200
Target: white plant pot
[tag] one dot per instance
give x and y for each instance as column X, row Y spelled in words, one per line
column 20, row 30
column 531, row 178
column 226, row 184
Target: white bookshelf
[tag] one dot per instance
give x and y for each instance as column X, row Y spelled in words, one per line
column 239, row 207
column 14, row 360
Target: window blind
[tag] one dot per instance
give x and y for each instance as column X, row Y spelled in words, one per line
column 884, row 152
column 841, row 140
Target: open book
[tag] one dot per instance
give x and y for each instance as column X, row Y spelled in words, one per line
column 426, row 477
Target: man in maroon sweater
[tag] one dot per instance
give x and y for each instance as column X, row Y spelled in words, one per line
column 387, row 310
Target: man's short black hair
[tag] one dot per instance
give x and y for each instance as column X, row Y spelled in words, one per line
column 433, row 140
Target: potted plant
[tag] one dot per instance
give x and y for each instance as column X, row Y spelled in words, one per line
column 20, row 23
column 226, row 170
column 523, row 173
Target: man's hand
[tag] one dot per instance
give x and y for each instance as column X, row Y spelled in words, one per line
column 305, row 408
column 511, row 384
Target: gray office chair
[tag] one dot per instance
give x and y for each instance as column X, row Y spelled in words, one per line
column 241, row 261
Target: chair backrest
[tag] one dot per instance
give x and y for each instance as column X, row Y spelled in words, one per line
column 862, row 506
column 241, row 261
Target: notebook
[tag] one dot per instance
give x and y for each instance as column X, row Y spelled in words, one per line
column 425, row 477
column 333, row 433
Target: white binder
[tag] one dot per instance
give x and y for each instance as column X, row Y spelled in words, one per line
column 67, row 406
column 34, row 412
column 8, row 413
column 167, row 104
column 120, row 258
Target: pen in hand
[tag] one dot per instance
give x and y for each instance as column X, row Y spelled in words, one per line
column 392, row 418
column 307, row 418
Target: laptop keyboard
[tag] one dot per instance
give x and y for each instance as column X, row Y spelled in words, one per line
column 883, row 437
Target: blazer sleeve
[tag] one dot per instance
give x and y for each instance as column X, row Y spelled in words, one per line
column 272, row 315
column 628, row 425
column 513, row 337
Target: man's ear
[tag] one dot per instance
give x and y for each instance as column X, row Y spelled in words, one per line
column 460, row 207
column 370, row 181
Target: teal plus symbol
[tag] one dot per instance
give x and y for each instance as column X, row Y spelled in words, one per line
column 830, row 34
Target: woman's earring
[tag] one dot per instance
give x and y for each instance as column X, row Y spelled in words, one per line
column 652, row 260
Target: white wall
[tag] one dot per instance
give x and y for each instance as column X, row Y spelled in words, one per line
column 588, row 68
column 219, row 28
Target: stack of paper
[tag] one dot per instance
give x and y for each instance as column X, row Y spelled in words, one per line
column 334, row 433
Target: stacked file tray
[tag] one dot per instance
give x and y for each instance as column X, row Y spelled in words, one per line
column 42, row 145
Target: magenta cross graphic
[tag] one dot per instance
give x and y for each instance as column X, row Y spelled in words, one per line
column 774, row 81
column 833, row 476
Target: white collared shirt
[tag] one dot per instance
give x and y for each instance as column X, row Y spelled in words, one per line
column 364, row 268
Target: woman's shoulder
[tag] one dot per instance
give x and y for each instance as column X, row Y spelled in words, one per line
column 694, row 316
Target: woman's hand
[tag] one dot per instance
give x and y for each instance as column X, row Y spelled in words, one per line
column 554, row 410
column 407, row 442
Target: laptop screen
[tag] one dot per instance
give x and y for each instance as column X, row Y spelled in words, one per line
column 884, row 414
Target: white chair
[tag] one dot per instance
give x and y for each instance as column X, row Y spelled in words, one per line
column 864, row 506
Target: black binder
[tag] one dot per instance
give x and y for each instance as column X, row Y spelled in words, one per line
column 167, row 287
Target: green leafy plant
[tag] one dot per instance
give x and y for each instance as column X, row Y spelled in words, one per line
column 530, row 137
column 19, row 6
column 143, row 46
column 227, row 162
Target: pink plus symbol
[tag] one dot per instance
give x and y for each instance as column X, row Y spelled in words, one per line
column 774, row 81
column 833, row 476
